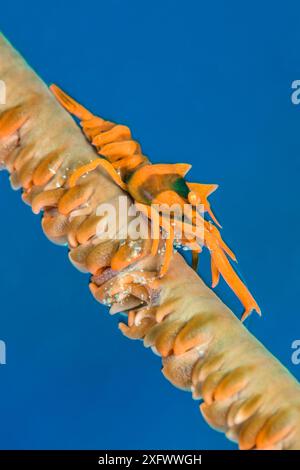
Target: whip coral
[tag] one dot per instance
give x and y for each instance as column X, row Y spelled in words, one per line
column 205, row 349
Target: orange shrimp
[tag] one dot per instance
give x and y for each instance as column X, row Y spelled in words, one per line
column 160, row 184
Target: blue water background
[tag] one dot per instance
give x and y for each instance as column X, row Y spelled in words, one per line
column 202, row 82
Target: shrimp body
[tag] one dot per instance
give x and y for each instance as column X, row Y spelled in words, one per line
column 158, row 184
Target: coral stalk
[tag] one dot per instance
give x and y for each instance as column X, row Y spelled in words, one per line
column 205, row 349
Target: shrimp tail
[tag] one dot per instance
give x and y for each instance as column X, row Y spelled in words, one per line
column 70, row 104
